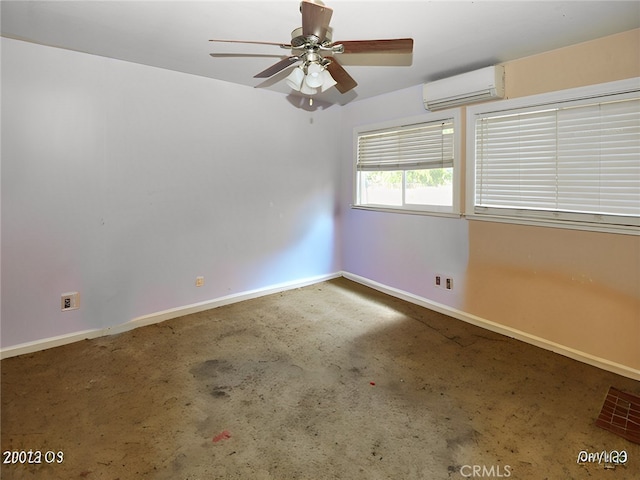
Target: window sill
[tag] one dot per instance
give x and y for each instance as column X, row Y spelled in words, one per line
column 570, row 225
column 407, row 211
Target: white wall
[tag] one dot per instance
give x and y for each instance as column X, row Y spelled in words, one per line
column 124, row 182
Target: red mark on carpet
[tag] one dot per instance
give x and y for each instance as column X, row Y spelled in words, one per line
column 222, row 436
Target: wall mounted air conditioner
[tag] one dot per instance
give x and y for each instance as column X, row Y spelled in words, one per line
column 471, row 87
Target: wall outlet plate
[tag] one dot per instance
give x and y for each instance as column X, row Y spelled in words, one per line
column 69, row 301
column 199, row 281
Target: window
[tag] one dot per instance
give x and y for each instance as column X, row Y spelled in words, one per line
column 409, row 167
column 571, row 158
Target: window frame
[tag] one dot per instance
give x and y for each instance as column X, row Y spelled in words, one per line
column 524, row 217
column 453, row 115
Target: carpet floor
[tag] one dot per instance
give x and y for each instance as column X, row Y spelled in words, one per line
column 330, row 381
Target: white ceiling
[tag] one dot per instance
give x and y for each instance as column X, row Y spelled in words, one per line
column 450, row 37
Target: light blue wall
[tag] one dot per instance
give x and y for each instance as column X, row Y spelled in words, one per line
column 125, row 182
column 402, row 251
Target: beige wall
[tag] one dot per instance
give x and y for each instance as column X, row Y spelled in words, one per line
column 575, row 288
column 604, row 60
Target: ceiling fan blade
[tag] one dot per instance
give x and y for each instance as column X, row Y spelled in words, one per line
column 398, row 45
column 282, row 45
column 275, row 68
column 243, row 55
column 315, row 19
column 344, row 81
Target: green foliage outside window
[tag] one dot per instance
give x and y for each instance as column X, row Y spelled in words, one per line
column 432, row 177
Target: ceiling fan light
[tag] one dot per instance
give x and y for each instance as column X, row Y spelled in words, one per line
column 314, row 77
column 294, row 79
column 307, row 90
column 327, row 81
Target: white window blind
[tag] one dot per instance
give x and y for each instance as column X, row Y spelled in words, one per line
column 576, row 161
column 413, row 147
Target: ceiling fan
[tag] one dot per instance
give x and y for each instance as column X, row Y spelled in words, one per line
column 313, row 50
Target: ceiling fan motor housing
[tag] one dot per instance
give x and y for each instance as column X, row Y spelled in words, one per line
column 298, row 40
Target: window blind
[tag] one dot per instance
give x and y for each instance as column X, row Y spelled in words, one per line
column 575, row 161
column 414, row 147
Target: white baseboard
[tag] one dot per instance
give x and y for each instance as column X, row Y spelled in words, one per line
column 158, row 317
column 51, row 342
column 583, row 357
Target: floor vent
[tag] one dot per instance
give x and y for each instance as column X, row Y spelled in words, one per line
column 620, row 414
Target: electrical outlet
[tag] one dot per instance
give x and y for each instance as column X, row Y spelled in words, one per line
column 448, row 283
column 69, row 301
column 199, row 281
column 438, row 280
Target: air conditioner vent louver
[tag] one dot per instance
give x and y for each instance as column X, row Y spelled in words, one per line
column 472, row 87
